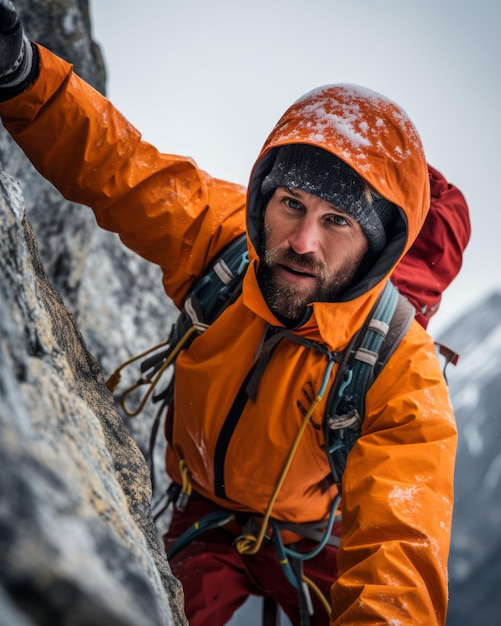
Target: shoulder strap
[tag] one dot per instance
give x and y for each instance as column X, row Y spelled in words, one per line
column 212, row 293
column 219, row 286
column 403, row 315
column 364, row 359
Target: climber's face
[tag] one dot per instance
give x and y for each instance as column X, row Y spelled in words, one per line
column 312, row 251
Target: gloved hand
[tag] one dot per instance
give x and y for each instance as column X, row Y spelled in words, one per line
column 16, row 54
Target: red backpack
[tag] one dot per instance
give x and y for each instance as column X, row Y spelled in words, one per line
column 435, row 258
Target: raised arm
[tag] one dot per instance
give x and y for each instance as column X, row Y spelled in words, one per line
column 162, row 206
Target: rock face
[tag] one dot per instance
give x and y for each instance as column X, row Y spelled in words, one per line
column 117, row 298
column 77, row 538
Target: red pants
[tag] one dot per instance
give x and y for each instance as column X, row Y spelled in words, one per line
column 217, row 579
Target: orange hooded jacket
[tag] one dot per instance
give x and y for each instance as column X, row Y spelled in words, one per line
column 398, row 483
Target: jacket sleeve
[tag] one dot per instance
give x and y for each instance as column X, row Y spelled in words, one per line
column 435, row 258
column 162, row 206
column 398, row 497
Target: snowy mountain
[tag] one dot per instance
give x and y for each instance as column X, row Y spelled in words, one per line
column 475, row 387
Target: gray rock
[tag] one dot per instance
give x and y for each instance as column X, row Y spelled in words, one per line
column 117, row 297
column 77, row 538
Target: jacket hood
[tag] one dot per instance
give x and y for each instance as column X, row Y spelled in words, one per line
column 376, row 138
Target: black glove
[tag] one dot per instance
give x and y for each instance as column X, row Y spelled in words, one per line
column 16, row 53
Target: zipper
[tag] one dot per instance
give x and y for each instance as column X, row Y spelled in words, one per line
column 248, row 389
column 227, row 430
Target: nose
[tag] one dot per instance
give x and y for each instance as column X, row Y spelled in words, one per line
column 304, row 239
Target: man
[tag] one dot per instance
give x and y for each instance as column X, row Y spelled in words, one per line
column 337, row 197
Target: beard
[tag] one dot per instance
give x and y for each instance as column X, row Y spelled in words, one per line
column 289, row 301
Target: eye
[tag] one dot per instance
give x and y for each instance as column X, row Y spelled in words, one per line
column 293, row 204
column 338, row 220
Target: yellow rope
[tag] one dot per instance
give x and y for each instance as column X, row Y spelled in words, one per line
column 186, row 486
column 249, row 544
column 318, row 593
column 115, row 377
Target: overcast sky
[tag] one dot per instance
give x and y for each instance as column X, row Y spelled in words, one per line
column 210, row 78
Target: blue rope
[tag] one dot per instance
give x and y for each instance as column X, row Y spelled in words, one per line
column 210, row 521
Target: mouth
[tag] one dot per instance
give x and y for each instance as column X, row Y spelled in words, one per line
column 294, row 274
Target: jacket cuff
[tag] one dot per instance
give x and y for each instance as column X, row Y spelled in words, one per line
column 6, row 93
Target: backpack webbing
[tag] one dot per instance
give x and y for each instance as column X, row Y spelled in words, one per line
column 365, row 357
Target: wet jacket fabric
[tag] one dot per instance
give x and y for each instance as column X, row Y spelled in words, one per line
column 398, row 484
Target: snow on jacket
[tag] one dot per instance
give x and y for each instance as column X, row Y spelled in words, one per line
column 398, row 484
